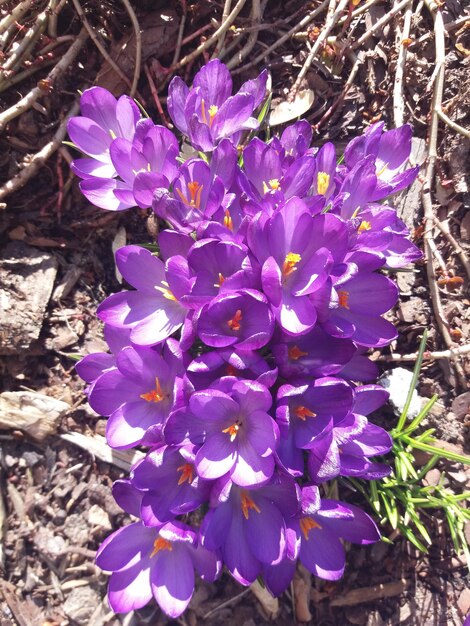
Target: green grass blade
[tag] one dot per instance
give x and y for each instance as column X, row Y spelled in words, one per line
column 414, row 380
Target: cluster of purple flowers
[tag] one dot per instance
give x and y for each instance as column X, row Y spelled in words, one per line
column 235, row 359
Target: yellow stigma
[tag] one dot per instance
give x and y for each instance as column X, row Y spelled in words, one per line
column 228, row 222
column 364, row 226
column 187, row 473
column 160, row 544
column 232, row 431
column 343, row 298
column 271, row 185
column 212, row 111
column 323, row 181
column 307, row 524
column 234, row 323
column 165, row 291
column 290, row 263
column 295, row 353
column 302, row 413
column 112, row 133
column 247, row 504
column 155, row 395
column 382, row 170
column 195, row 191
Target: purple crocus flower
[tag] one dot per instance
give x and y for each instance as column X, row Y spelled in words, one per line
column 319, row 530
column 313, row 354
column 139, row 392
column 155, row 562
column 305, row 411
column 207, row 368
column 391, row 151
column 171, row 486
column 356, row 306
column 241, row 319
column 208, row 113
column 248, row 526
column 297, row 252
column 236, row 434
column 196, row 194
column 103, row 119
column 154, row 311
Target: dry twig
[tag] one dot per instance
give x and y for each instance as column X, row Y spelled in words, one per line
column 453, row 353
column 38, row 159
column 402, row 44
column 458, row 129
column 256, row 15
column 443, row 227
column 295, row 29
column 220, row 43
column 429, row 181
column 379, row 24
column 27, row 101
column 138, row 46
column 333, row 15
column 94, row 37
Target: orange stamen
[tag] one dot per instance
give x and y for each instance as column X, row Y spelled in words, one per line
column 221, row 280
column 195, row 191
column 247, row 504
column 232, row 431
column 343, row 298
column 307, row 524
column 290, row 262
column 295, row 353
column 228, row 222
column 155, row 395
column 234, row 323
column 302, row 412
column 160, row 544
column 187, row 472
column 364, row 226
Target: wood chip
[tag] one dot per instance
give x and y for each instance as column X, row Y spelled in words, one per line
column 302, row 585
column 270, row 605
column 368, row 594
column 97, row 446
column 35, row 413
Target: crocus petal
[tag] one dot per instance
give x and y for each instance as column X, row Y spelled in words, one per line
column 129, row 589
column 172, row 580
column 216, row 457
column 323, row 554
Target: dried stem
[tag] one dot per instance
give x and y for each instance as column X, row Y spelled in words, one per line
column 27, row 43
column 402, row 44
column 220, row 43
column 28, row 100
column 379, row 24
column 295, row 29
column 138, row 46
column 177, row 53
column 38, row 159
column 332, row 18
column 94, row 37
column 458, row 129
column 256, row 16
column 428, row 184
column 443, row 227
column 10, row 19
column 453, row 353
column 223, row 28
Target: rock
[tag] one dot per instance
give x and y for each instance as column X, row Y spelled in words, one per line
column 27, row 277
column 48, row 542
column 76, row 529
column 81, row 604
column 464, row 602
column 35, row 413
column 397, row 382
column 413, row 310
column 432, row 477
column 98, row 517
column 461, row 405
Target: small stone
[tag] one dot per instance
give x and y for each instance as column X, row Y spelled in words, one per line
column 404, row 613
column 98, row 517
column 459, row 477
column 76, row 529
column 81, row 604
column 397, row 382
column 461, row 405
column 432, row 477
column 464, row 601
column 49, row 543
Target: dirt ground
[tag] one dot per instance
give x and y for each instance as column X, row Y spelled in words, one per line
column 56, row 265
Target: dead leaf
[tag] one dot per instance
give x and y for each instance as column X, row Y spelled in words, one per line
column 36, row 414
column 283, row 112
